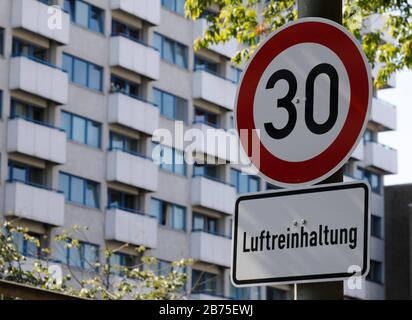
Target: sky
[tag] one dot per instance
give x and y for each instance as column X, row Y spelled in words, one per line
column 401, row 139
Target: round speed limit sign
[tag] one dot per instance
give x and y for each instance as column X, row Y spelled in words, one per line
column 305, row 96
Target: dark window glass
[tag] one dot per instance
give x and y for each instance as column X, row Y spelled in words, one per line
column 79, row 190
column 376, row 226
column 171, row 51
column 83, row 73
column 170, row 105
column 375, row 272
column 81, row 130
column 169, row 214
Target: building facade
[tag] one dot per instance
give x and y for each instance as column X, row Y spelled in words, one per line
column 80, row 104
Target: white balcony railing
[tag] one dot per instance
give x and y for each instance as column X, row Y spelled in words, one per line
column 383, row 114
column 130, row 227
column 36, row 140
column 227, row 49
column 133, row 113
column 214, row 89
column 211, row 248
column 214, row 143
column 133, row 170
column 213, row 195
column 34, row 203
column 37, row 17
column 148, row 10
column 134, row 56
column 381, row 157
column 39, row 78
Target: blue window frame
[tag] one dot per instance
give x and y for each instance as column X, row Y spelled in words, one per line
column 124, row 143
column 1, row 41
column 122, row 200
column 83, row 73
column 79, row 190
column 85, row 256
column 30, row 50
column 171, row 50
column 206, row 117
column 170, row 105
column 127, row 31
column 20, row 109
column 235, row 74
column 177, row 6
column 81, row 129
column 168, row 214
column 206, row 282
column 207, row 65
column 244, row 183
column 126, row 87
column 26, row 174
column 374, row 179
column 120, row 260
column 28, row 248
column 169, row 159
column 85, row 14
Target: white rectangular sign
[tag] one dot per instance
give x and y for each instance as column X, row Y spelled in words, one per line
column 303, row 235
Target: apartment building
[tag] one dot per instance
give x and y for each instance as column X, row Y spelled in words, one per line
column 79, row 107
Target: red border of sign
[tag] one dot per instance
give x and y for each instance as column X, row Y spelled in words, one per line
column 326, row 33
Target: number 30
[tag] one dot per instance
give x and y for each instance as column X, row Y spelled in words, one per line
column 287, row 103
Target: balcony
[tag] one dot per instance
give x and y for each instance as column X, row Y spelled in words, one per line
column 213, row 194
column 227, row 49
column 39, row 78
column 34, row 16
column 131, row 227
column 34, row 203
column 132, row 169
column 211, row 248
column 134, row 56
column 381, row 157
column 133, row 113
column 148, row 10
column 36, row 140
column 357, row 154
column 383, row 114
column 214, row 89
column 214, row 143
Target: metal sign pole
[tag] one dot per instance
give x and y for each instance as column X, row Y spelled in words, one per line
column 332, row 10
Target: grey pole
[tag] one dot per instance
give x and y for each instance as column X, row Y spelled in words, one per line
column 332, row 10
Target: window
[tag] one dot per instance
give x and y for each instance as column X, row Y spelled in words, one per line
column 368, row 136
column 85, row 15
column 85, row 256
column 27, row 111
column 83, row 73
column 1, row 41
column 375, row 272
column 168, row 214
column 376, row 226
column 27, row 49
column 123, row 143
column 208, row 171
column 235, row 74
column 207, row 65
column 26, row 247
column 119, row 28
column 239, row 293
column 26, row 174
column 171, row 51
column 205, row 282
column 244, row 183
column 170, row 105
column 169, row 159
column 125, row 86
column 121, row 261
column 81, row 130
column 79, row 190
column 276, row 294
column 375, row 180
column 204, row 223
column 122, row 200
column 177, row 6
column 206, row 117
